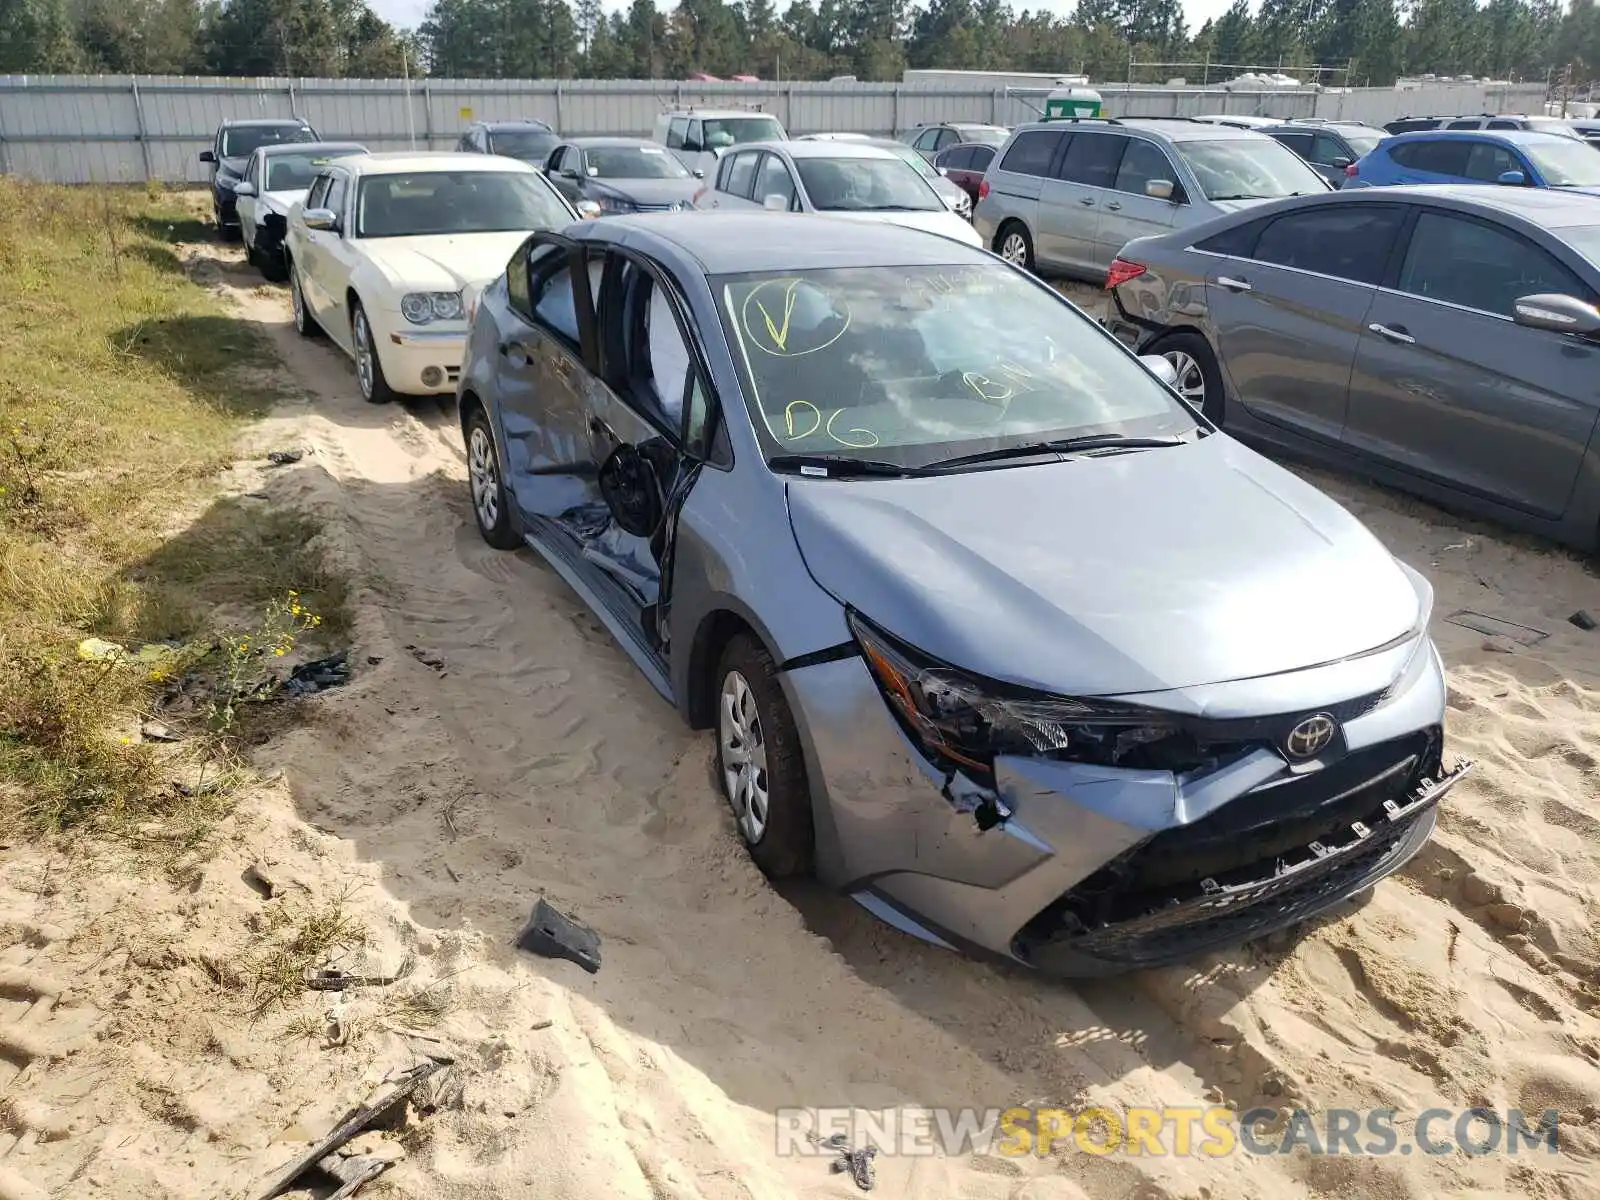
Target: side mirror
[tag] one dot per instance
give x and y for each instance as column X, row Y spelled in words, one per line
column 698, row 173
column 1341, row 163
column 1161, row 369
column 1557, row 314
column 244, row 188
column 588, row 209
column 775, row 203
column 321, row 218
column 207, row 156
column 1160, row 189
column 945, row 171
column 632, row 491
column 594, row 172
column 1512, row 178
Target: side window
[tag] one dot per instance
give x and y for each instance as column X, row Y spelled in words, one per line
column 927, row 139
column 774, row 180
column 1444, row 156
column 557, row 156
column 669, row 356
column 675, row 131
column 1300, row 143
column 1092, row 159
column 1486, row 162
column 554, row 306
column 1479, row 266
column 692, row 139
column 1474, row 123
column 1503, row 125
column 1143, row 162
column 1031, row 152
column 741, row 173
column 1348, row 241
column 318, row 192
column 336, row 191
column 947, row 137
column 954, row 160
column 517, row 281
column 1326, row 149
column 982, row 156
column 697, row 417
column 1238, row 242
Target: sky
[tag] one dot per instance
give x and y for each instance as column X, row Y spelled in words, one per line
column 408, row 13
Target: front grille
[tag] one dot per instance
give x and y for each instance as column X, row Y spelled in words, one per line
column 1257, row 862
column 452, row 374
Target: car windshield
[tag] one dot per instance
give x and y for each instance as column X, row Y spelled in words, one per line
column 1585, row 239
column 1552, row 125
column 987, row 134
column 1249, row 169
column 434, row 202
column 530, row 145
column 916, row 364
column 633, row 162
column 1363, row 144
column 736, row 131
column 290, row 171
column 865, row 185
column 1565, row 163
column 244, row 140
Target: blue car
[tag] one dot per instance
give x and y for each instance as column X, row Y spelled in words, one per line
column 920, row 543
column 1515, row 158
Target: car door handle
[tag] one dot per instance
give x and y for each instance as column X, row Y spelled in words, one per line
column 1233, row 285
column 1114, row 206
column 1086, row 200
column 1396, row 334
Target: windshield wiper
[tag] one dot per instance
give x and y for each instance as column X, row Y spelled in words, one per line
column 839, row 466
column 1072, row 445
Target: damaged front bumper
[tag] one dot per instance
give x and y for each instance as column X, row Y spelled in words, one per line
column 1078, row 869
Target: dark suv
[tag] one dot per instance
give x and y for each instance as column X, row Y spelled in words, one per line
column 1482, row 121
column 531, row 141
column 232, row 147
column 1327, row 146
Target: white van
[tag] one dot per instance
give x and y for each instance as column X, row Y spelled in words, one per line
column 698, row 135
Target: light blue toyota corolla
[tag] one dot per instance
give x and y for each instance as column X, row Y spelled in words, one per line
column 995, row 634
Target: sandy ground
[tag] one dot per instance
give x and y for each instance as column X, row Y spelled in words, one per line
column 438, row 802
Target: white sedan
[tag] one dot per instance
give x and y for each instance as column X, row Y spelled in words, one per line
column 840, row 177
column 388, row 252
column 276, row 178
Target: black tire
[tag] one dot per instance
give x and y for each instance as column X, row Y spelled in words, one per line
column 1186, row 346
column 496, row 529
column 1014, row 235
column 271, row 265
column 782, row 847
column 374, row 387
column 304, row 323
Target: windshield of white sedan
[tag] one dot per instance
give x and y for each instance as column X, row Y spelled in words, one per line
column 916, row 364
column 438, row 202
column 1249, row 169
column 1569, row 163
column 633, row 162
column 865, row 185
column 295, row 172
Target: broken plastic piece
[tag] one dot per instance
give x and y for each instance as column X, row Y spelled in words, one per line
column 312, row 677
column 857, row 1162
column 1583, row 620
column 282, row 458
column 550, row 933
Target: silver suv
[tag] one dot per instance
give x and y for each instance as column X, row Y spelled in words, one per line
column 1069, row 194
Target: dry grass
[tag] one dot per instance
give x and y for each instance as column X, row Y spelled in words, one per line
column 126, row 391
column 297, row 937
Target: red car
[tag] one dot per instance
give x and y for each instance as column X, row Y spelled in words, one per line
column 964, row 165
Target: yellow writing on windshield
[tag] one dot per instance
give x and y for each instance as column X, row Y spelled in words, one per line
column 788, row 418
column 780, row 334
column 860, row 433
column 790, row 317
column 990, row 391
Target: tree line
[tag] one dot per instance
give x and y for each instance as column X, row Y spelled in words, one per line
column 809, row 39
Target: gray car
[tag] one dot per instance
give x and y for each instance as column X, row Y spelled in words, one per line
column 1329, row 146
column 621, row 175
column 1067, row 195
column 798, row 466
column 1443, row 339
column 955, row 198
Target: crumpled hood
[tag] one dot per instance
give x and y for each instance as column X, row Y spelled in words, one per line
column 283, row 201
column 443, row 262
column 1135, row 572
column 234, row 166
column 651, row 191
column 943, row 222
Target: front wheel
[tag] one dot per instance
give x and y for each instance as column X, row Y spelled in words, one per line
column 1014, row 245
column 375, row 388
column 489, row 506
column 304, row 323
column 1199, row 377
column 759, row 761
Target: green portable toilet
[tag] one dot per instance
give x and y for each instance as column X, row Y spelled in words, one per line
column 1067, row 102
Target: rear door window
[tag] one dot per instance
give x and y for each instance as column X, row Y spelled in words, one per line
column 1031, row 153
column 1325, row 150
column 1092, row 159
column 1481, row 266
column 1300, row 143
column 1473, row 123
column 982, row 156
column 1445, row 156
column 1504, row 125
column 1347, row 241
column 956, row 160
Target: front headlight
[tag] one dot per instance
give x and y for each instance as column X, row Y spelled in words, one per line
column 962, row 723
column 422, row 307
column 615, row 204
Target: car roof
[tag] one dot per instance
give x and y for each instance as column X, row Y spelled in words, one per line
column 307, row 148
column 394, row 162
column 846, row 149
column 728, row 243
column 717, row 113
column 597, row 140
column 1336, row 126
column 1177, row 129
column 518, row 123
column 289, row 122
column 1516, row 137
column 1550, row 208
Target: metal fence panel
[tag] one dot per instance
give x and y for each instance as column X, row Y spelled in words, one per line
column 118, row 128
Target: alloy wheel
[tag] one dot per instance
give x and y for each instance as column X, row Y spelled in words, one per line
column 1191, row 379
column 1014, row 249
column 744, row 757
column 363, row 341
column 484, row 476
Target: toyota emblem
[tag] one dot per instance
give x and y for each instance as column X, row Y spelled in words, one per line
column 1311, row 737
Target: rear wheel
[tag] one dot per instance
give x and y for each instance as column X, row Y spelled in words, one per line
column 1014, row 245
column 1199, row 377
column 759, row 761
column 304, row 323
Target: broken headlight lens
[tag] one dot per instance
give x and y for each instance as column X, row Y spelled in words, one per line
column 962, row 722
